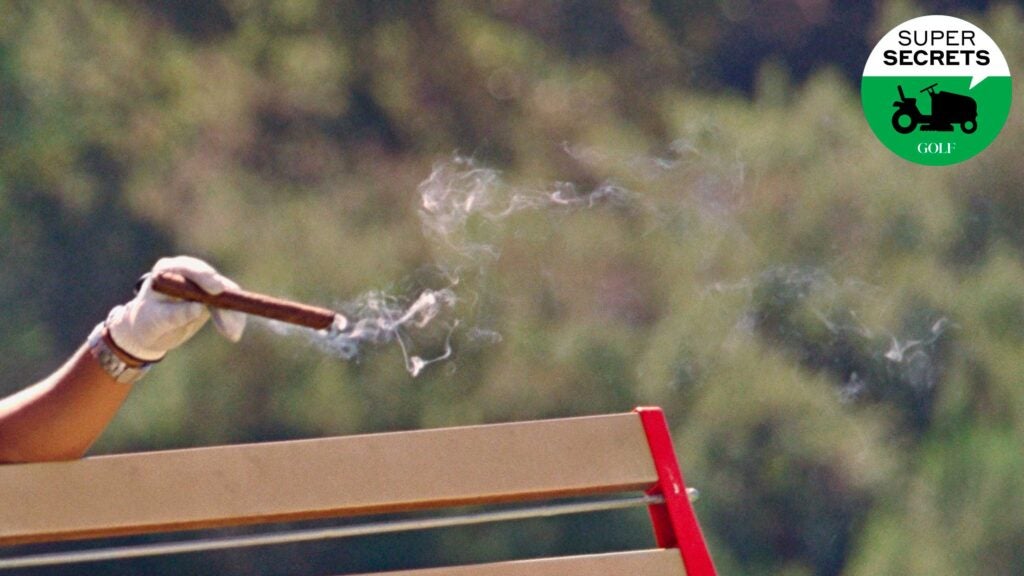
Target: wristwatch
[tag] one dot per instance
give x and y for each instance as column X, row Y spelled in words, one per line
column 121, row 366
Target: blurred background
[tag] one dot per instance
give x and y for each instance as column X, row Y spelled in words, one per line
column 836, row 334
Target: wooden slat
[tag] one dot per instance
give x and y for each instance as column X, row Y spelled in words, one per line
column 234, row 485
column 659, row 562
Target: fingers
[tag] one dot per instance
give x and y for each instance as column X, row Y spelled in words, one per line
column 170, row 324
column 179, row 314
column 229, row 324
column 196, row 270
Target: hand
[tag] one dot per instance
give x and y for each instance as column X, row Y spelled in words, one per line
column 152, row 323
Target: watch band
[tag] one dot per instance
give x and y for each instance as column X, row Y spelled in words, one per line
column 120, row 367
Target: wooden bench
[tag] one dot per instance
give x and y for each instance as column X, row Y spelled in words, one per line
column 524, row 462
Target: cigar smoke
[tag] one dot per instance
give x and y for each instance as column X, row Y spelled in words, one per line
column 461, row 206
column 378, row 318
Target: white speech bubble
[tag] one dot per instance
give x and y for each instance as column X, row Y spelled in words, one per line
column 916, row 41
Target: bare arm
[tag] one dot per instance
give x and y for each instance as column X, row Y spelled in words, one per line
column 61, row 416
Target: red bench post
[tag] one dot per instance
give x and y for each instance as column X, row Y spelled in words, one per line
column 675, row 524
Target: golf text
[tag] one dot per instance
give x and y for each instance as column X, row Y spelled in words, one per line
column 936, row 147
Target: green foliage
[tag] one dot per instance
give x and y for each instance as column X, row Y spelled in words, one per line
column 834, row 333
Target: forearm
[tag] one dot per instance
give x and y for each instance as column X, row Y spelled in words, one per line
column 60, row 417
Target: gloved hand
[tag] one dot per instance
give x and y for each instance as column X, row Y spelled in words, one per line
column 152, row 323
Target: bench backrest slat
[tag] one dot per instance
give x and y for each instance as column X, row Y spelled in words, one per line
column 659, row 562
column 236, row 485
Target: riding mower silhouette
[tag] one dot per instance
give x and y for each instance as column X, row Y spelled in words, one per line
column 947, row 109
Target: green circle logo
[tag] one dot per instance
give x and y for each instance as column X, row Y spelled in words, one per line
column 936, row 90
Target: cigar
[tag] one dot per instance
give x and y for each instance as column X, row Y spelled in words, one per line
column 253, row 303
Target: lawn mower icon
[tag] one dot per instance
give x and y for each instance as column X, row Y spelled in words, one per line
column 947, row 109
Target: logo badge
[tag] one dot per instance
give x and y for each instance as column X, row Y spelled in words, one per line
column 936, row 90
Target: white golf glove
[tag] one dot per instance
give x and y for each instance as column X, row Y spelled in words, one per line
column 152, row 324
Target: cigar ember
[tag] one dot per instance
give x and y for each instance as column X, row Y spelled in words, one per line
column 340, row 324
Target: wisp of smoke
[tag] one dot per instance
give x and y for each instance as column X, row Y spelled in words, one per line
column 458, row 191
column 828, row 301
